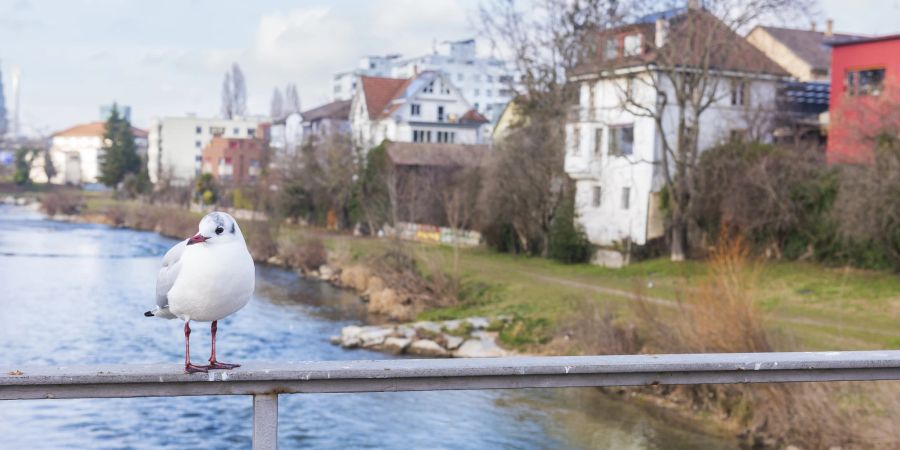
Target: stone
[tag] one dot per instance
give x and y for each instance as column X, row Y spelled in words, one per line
column 451, row 325
column 478, row 348
column 426, row 347
column 453, row 342
column 335, row 340
column 406, row 331
column 396, row 345
column 325, row 272
column 478, row 323
column 372, row 337
column 350, row 336
column 428, row 326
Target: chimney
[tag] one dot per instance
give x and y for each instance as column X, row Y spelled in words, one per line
column 812, row 25
column 693, row 4
column 829, row 28
column 662, row 32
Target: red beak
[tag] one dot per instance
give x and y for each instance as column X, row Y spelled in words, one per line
column 196, row 239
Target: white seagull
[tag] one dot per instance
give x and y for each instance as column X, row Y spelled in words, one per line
column 205, row 278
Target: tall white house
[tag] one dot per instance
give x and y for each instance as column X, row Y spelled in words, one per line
column 614, row 147
column 424, row 108
column 175, row 144
column 483, row 81
column 75, row 153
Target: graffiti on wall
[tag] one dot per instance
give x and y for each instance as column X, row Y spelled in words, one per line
column 436, row 235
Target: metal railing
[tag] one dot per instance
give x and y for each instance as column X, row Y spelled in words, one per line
column 266, row 381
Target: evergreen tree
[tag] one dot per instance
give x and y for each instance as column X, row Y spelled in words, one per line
column 276, row 108
column 227, row 98
column 291, row 99
column 568, row 242
column 119, row 156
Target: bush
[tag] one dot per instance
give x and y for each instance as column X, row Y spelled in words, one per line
column 308, row 254
column 260, row 237
column 568, row 243
column 62, row 202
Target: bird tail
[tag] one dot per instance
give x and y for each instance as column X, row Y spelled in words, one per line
column 161, row 312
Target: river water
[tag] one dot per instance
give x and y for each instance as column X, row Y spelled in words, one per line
column 75, row 294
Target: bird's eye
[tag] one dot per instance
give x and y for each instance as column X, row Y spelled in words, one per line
column 219, row 230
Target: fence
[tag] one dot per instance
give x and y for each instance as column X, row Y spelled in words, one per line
column 266, row 381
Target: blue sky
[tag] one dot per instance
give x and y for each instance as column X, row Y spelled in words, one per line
column 168, row 57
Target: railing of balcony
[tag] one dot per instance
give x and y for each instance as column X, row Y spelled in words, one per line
column 266, row 381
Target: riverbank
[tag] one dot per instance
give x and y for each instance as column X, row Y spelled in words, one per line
column 558, row 309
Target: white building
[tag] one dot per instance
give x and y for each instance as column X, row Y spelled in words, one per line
column 175, row 144
column 483, row 81
column 423, row 108
column 614, row 152
column 75, row 154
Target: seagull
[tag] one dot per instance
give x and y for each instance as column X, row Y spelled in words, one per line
column 205, row 278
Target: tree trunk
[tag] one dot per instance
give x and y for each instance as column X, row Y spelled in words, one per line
column 678, row 241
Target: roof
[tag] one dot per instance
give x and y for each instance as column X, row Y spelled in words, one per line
column 434, row 154
column 334, row 110
column 94, row 129
column 379, row 92
column 473, row 116
column 865, row 40
column 683, row 47
column 810, row 46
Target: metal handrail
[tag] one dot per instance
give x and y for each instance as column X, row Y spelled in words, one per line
column 266, row 380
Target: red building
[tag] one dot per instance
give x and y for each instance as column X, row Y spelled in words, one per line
column 234, row 159
column 865, row 83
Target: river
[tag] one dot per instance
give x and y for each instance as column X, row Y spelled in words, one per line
column 75, row 294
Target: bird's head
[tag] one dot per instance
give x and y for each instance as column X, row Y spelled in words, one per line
column 217, row 228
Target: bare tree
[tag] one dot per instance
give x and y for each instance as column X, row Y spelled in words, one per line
column 276, row 107
column 691, row 61
column 234, row 93
column 545, row 39
column 291, row 99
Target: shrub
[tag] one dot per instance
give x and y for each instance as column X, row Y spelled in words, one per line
column 308, row 254
column 568, row 243
column 62, row 202
column 260, row 237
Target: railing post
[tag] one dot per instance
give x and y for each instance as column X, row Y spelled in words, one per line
column 265, row 421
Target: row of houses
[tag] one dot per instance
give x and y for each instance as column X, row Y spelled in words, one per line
column 774, row 83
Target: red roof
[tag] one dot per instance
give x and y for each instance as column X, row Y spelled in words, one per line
column 94, row 129
column 380, row 91
column 473, row 116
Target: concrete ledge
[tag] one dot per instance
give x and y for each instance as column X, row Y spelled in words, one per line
column 18, row 383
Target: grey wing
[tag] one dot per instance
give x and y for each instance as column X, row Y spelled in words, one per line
column 168, row 273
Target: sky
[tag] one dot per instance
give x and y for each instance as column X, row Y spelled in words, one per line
column 168, row 57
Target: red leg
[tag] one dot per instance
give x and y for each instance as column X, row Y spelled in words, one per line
column 213, row 364
column 188, row 367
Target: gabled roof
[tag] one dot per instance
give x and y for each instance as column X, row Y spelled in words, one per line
column 379, row 92
column 434, row 154
column 335, row 110
column 689, row 32
column 473, row 116
column 94, row 129
column 810, row 46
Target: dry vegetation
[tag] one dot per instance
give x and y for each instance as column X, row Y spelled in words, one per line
column 720, row 316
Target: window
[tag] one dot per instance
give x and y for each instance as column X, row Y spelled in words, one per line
column 505, row 92
column 737, row 135
column 199, row 130
column 505, row 79
column 476, row 77
column 421, row 136
column 487, row 93
column 415, row 109
column 576, row 140
column 337, row 89
column 632, row 45
column 621, row 140
column 371, row 65
column 477, row 92
column 597, row 197
column 864, row 82
column 626, row 197
column 429, row 88
column 598, row 139
column 490, row 79
column 611, row 48
column 446, row 137
column 251, row 131
column 236, row 131
column 740, row 92
column 459, row 77
column 440, row 114
column 198, row 144
column 216, row 131
column 477, row 108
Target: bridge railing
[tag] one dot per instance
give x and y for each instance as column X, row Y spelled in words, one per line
column 267, row 380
